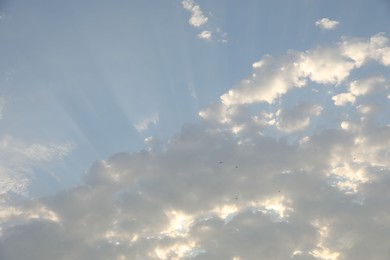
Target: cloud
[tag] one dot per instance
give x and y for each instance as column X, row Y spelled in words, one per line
column 197, row 18
column 144, row 123
column 362, row 50
column 327, row 24
column 343, row 99
column 368, row 85
column 303, row 178
column 18, row 160
column 205, row 35
column 270, row 79
column 296, row 118
column 2, row 104
column 325, row 65
column 273, row 77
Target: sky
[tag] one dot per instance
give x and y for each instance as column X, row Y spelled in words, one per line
column 194, row 129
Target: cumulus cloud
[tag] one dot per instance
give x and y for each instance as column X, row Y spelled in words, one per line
column 330, row 65
column 327, row 24
column 197, row 18
column 296, row 118
column 361, row 50
column 344, row 99
column 325, row 65
column 205, row 35
column 270, row 79
column 214, row 193
column 368, row 85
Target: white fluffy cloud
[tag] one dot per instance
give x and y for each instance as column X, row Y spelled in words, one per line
column 326, row 23
column 368, row 85
column 330, row 65
column 214, row 193
column 325, row 65
column 270, row 79
column 343, row 99
column 205, row 35
column 360, row 50
column 197, row 18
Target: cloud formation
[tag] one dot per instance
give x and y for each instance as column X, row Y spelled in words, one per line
column 199, row 20
column 326, row 23
column 296, row 118
column 273, row 77
column 273, row 171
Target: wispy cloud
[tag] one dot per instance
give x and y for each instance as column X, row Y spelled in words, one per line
column 145, row 122
column 2, row 104
column 269, row 169
column 326, row 23
column 18, row 160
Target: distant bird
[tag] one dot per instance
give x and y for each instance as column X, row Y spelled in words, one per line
column 220, row 162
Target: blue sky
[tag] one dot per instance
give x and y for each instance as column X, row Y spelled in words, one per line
column 142, row 93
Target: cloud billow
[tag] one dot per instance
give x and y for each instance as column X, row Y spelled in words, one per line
column 265, row 175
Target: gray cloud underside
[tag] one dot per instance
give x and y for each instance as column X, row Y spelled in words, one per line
column 319, row 193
